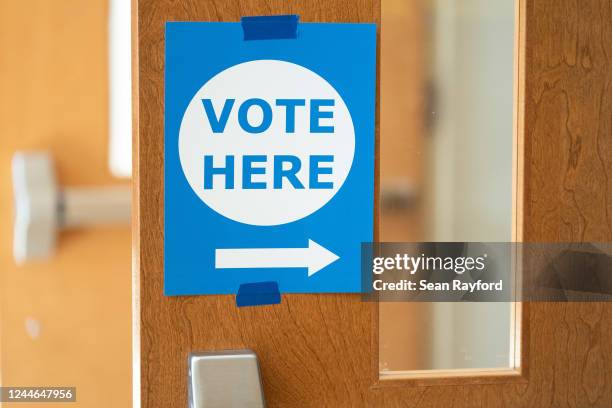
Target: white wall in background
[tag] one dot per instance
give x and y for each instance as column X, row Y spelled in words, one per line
column 120, row 80
column 471, row 165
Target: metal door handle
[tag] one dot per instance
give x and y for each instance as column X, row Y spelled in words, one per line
column 42, row 208
column 223, row 379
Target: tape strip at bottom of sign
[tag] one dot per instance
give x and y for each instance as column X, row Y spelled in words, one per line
column 258, row 294
column 270, row 27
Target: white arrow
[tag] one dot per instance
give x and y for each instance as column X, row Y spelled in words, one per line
column 315, row 258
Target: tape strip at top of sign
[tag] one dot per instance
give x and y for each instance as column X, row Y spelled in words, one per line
column 270, row 27
column 269, row 155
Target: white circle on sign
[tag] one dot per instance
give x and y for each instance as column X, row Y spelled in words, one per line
column 287, row 196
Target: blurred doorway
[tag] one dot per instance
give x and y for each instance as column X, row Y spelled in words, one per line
column 65, row 321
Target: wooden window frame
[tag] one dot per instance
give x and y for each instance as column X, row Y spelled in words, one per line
column 520, row 311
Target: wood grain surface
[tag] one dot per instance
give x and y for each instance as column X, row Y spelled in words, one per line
column 317, row 350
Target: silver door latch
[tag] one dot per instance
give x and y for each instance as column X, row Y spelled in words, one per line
column 225, row 379
column 43, row 208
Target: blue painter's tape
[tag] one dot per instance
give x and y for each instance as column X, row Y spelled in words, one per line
column 270, row 27
column 258, row 293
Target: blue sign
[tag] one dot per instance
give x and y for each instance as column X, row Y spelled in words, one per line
column 269, row 156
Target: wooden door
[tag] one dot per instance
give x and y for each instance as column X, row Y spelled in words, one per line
column 321, row 350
